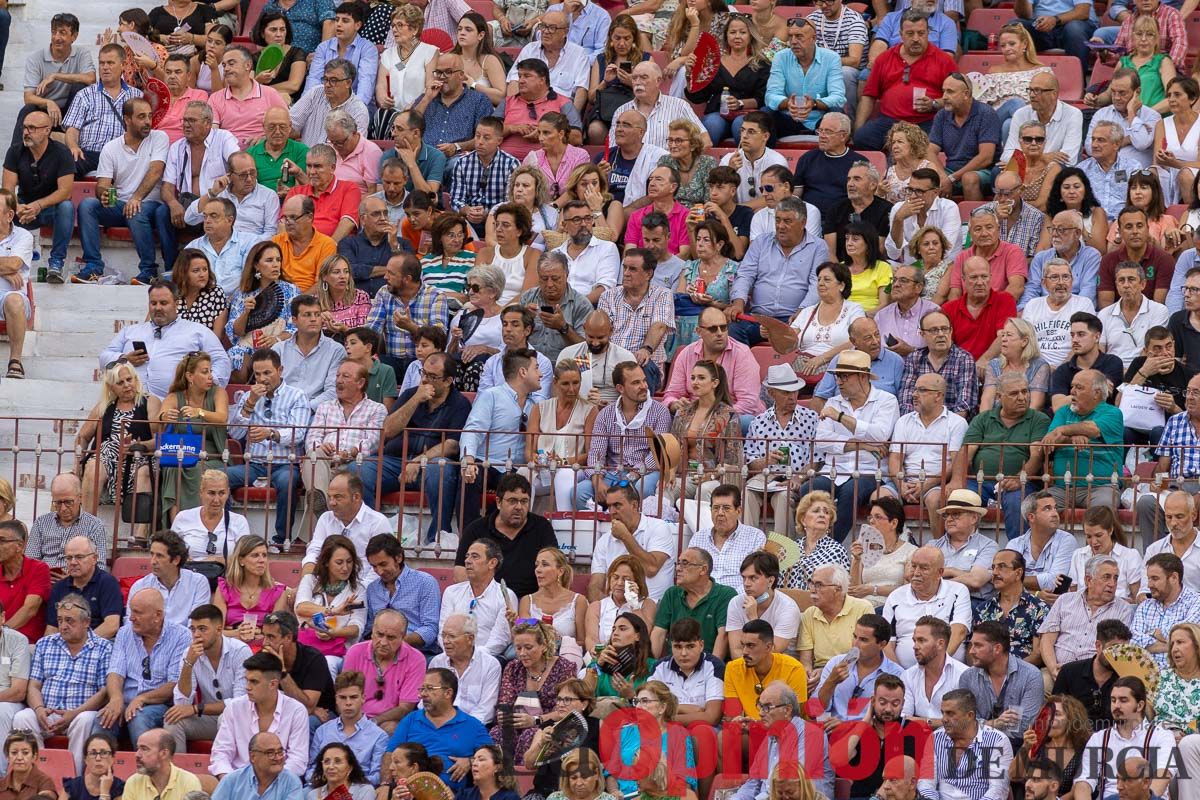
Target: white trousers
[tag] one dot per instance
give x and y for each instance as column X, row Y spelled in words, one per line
column 77, row 732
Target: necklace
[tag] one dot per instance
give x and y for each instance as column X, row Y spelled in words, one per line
column 537, row 677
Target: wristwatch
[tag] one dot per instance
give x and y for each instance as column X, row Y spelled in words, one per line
column 457, row 148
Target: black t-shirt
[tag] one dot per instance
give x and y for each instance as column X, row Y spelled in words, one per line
column 162, row 22
column 39, row 179
column 1064, row 373
column 824, row 177
column 835, row 221
column 1077, row 680
column 1174, row 382
column 913, row 743
column 740, row 220
column 311, row 673
column 519, row 554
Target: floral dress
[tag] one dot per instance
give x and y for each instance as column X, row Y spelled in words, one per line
column 894, row 187
column 274, row 303
column 209, row 305
column 695, row 190
column 1023, row 620
column 933, row 276
column 655, row 25
column 717, row 445
column 827, row 551
column 513, row 682
column 1176, row 702
column 718, row 289
column 995, row 88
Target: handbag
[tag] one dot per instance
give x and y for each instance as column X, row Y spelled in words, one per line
column 213, row 570
column 180, row 449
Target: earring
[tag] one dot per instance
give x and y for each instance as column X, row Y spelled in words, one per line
column 324, row 286
column 257, row 275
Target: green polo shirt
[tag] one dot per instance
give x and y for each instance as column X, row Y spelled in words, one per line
column 709, row 612
column 381, row 382
column 269, row 168
column 1101, row 462
column 989, row 432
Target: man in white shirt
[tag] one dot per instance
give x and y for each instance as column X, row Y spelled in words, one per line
column 16, row 255
column 1050, row 314
column 482, row 598
column 257, row 206
column 753, row 157
column 693, row 676
column 934, row 673
column 155, row 348
column 593, row 264
column 1063, row 123
column 349, row 516
column 599, row 354
column 477, row 670
column 923, row 206
column 570, row 65
column 658, row 109
column 1127, row 321
column 1138, row 121
column 927, row 594
column 132, row 164
column 651, row 541
column 211, row 673
column 1130, row 732
column 1178, row 516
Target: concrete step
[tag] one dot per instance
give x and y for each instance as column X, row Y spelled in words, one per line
column 123, row 301
column 44, row 398
column 78, row 370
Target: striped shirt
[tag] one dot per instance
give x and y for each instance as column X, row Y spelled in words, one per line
column 1153, row 617
column 477, row 185
column 48, row 538
column 69, row 680
column 1075, row 623
column 980, row 773
column 165, row 658
column 97, row 115
column 837, row 35
column 359, row 430
column 450, row 276
column 286, row 411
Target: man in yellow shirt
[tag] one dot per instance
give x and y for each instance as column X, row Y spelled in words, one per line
column 758, row 667
column 827, row 626
column 157, row 778
column 304, row 247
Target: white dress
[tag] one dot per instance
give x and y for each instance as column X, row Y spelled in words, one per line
column 514, row 273
column 1186, row 150
column 407, row 78
column 563, row 442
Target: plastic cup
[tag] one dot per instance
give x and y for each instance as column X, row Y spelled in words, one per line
column 250, row 618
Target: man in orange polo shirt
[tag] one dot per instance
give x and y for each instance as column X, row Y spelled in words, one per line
column 304, row 247
column 335, row 201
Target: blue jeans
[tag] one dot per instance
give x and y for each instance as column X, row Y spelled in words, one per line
column 720, row 128
column 92, row 215
column 654, row 376
column 585, row 491
column 1107, row 34
column 1005, row 113
column 749, row 333
column 167, row 235
column 146, row 719
column 1072, row 37
column 62, row 217
column 847, row 497
column 1010, row 504
column 438, row 481
column 5, row 25
column 285, row 478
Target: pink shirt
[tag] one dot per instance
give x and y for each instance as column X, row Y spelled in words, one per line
column 361, row 167
column 172, row 122
column 239, row 722
column 678, row 219
column 1008, row 260
column 244, row 118
column 740, row 367
column 400, row 680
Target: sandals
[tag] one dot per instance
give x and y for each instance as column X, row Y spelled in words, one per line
column 15, row 369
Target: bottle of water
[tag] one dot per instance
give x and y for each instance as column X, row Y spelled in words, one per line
column 725, row 97
column 541, row 459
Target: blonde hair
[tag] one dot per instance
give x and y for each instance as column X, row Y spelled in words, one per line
column 113, row 374
column 577, row 175
column 694, row 134
column 807, row 790
column 541, row 190
column 214, row 476
column 572, row 762
column 1018, row 30
column 567, row 573
column 918, row 140
column 662, row 693
column 187, row 365
column 811, row 499
column 1031, row 349
column 1193, row 631
column 410, row 15
column 326, row 299
column 233, row 568
column 1144, row 21
column 8, row 497
column 755, row 46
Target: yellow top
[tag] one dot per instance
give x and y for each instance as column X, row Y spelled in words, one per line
column 828, row 638
column 742, row 684
column 865, row 286
column 140, row 787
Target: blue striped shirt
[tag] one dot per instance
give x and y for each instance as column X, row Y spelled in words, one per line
column 417, row 597
column 980, row 772
column 97, row 115
column 165, row 659
column 287, row 411
column 1153, row 617
column 69, row 680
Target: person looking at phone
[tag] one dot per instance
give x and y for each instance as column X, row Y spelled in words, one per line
column 560, row 311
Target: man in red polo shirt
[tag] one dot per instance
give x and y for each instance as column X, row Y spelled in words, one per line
column 25, row 584
column 977, row 316
column 335, row 201
column 905, row 82
column 1010, row 270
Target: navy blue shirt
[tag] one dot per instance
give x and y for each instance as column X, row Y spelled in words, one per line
column 960, row 145
column 456, row 122
column 102, row 592
column 824, row 177
column 450, row 416
column 364, row 257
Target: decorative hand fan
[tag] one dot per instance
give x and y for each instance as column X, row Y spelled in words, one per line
column 139, row 45
column 270, row 58
column 785, row 549
column 872, row 544
column 1041, row 729
column 1130, row 660
column 427, row 786
column 783, row 337
column 708, row 62
column 469, row 322
column 159, row 97
column 438, row 38
column 564, row 736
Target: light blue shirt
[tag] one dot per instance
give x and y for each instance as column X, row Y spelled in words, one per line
column 776, row 284
column 493, row 373
column 942, row 30
column 166, row 658
column 1085, row 270
column 1186, row 260
column 852, row 690
column 189, row 591
column 822, row 81
column 364, row 55
column 589, row 29
column 416, row 596
column 227, row 264
column 313, row 374
column 889, row 368
column 493, row 429
column 1052, row 8
column 1140, row 131
column 369, row 741
column 1111, row 187
column 1054, row 560
column 287, row 413
column 758, row 789
column 257, row 212
column 241, row 784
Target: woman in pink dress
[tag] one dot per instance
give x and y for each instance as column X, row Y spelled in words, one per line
column 558, row 157
column 247, row 592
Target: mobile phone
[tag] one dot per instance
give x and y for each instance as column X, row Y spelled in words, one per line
column 625, row 66
column 892, row 341
column 546, row 309
column 139, row 345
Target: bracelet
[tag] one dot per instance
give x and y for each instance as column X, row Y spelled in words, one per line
column 840, row 415
column 199, row 709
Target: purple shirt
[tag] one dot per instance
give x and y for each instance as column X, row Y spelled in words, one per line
column 904, row 326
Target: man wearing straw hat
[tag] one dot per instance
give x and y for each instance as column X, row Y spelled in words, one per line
column 967, row 552
column 778, row 445
column 852, row 436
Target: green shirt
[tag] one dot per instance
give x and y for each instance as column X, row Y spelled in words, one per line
column 1101, row 462
column 269, row 168
column 381, row 382
column 990, row 433
column 709, row 611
